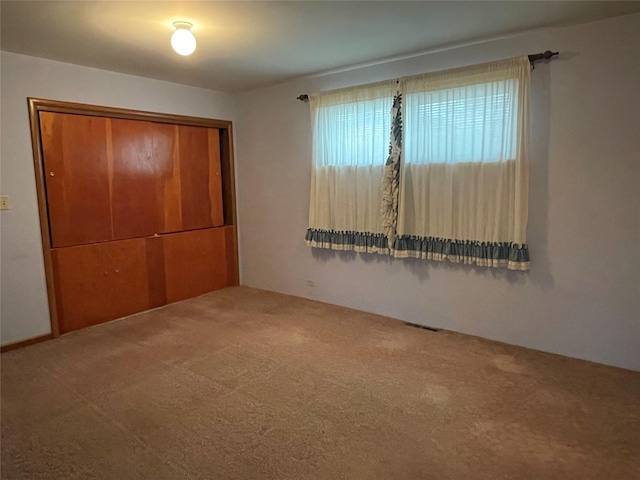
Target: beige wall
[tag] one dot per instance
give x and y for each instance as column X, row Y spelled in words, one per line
column 582, row 295
column 24, row 311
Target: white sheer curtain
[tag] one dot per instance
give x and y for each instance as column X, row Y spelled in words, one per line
column 464, row 176
column 351, row 129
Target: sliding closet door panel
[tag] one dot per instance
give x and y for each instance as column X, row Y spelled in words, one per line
column 142, row 164
column 76, row 168
column 100, row 282
column 200, row 179
column 194, row 263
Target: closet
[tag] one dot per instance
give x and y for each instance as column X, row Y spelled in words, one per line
column 137, row 209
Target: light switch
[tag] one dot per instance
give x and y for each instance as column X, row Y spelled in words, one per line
column 4, row 202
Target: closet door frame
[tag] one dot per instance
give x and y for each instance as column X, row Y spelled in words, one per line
column 37, row 105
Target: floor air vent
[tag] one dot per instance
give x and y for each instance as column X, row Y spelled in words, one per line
column 424, row 327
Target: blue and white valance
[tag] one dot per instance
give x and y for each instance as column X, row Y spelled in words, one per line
column 483, row 254
column 362, row 242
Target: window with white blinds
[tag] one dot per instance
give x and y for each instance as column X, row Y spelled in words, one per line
column 467, row 124
column 352, row 134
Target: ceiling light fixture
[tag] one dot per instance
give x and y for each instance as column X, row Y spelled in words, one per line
column 182, row 40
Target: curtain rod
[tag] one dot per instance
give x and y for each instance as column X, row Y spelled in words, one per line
column 534, row 57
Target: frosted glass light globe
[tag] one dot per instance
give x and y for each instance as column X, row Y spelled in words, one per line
column 182, row 40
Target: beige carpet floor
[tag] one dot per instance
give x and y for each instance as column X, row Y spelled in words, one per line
column 247, row 384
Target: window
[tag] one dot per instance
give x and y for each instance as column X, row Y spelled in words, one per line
column 355, row 134
column 467, row 124
column 432, row 166
column 350, row 146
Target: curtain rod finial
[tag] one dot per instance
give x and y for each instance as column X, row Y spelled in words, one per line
column 542, row 56
column 303, row 98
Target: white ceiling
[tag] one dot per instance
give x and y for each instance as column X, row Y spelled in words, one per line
column 243, row 45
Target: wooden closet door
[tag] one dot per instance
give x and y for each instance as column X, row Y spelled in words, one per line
column 194, row 263
column 166, row 178
column 100, row 282
column 143, row 164
column 76, row 170
column 200, row 177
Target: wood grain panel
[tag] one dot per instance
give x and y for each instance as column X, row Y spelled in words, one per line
column 173, row 190
column 142, row 163
column 100, row 282
column 231, row 256
column 228, row 176
column 201, row 184
column 74, row 149
column 194, row 263
column 215, row 178
column 155, row 272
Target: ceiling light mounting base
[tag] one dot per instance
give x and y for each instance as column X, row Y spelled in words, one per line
column 185, row 25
